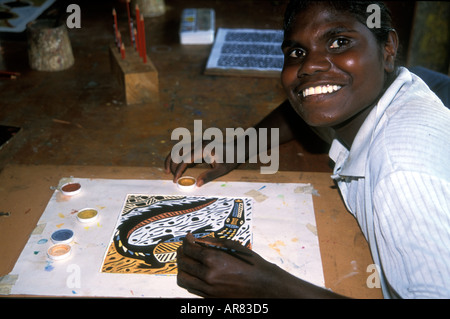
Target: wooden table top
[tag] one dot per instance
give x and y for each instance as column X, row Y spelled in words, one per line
column 25, row 192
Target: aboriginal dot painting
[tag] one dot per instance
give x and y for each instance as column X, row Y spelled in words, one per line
column 151, row 228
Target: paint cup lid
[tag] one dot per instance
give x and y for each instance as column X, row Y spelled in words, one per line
column 87, row 215
column 186, row 183
column 62, row 236
column 59, row 251
column 70, row 189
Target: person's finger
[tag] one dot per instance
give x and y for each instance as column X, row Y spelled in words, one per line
column 191, row 255
column 179, row 170
column 189, row 265
column 188, row 274
column 189, row 238
column 212, row 174
column 240, row 251
column 202, row 257
column 191, row 283
column 170, row 166
column 167, row 164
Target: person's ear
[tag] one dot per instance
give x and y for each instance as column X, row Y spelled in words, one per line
column 390, row 51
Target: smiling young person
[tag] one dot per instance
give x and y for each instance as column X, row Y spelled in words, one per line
column 335, row 69
column 389, row 137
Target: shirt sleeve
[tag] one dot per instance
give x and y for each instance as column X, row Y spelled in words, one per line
column 412, row 233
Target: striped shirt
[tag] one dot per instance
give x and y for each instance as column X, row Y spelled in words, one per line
column 396, row 181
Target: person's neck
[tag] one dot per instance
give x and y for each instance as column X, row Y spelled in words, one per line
column 346, row 132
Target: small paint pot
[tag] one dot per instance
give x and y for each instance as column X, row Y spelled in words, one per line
column 70, row 189
column 186, row 183
column 59, row 251
column 62, row 236
column 87, row 215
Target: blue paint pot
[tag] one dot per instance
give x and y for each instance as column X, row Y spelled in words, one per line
column 62, row 236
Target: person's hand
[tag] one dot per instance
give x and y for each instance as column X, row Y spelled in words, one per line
column 209, row 272
column 216, row 170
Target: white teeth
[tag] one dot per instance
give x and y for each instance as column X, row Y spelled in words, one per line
column 323, row 89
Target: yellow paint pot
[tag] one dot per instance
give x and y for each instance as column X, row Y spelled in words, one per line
column 186, row 183
column 87, row 215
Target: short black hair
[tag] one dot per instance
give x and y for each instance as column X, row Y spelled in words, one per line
column 357, row 8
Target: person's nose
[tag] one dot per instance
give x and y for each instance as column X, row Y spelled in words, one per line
column 314, row 62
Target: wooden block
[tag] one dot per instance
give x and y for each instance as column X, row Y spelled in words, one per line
column 138, row 80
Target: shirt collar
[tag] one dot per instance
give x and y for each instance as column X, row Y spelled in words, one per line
column 353, row 162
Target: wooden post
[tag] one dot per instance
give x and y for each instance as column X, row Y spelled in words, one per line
column 138, row 80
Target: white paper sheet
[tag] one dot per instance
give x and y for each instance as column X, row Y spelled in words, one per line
column 247, row 49
column 283, row 233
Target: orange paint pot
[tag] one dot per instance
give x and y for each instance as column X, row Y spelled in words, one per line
column 59, row 251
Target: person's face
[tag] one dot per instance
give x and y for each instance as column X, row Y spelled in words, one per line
column 333, row 67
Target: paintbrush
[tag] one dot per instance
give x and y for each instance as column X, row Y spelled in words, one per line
column 231, row 251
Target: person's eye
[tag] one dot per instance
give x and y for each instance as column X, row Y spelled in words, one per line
column 297, row 53
column 339, row 43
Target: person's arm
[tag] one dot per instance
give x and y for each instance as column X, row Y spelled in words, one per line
column 411, row 209
column 290, row 126
column 278, row 118
column 213, row 273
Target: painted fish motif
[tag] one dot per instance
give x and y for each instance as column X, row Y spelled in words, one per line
column 154, row 233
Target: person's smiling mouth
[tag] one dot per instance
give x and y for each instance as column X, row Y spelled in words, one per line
column 319, row 90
